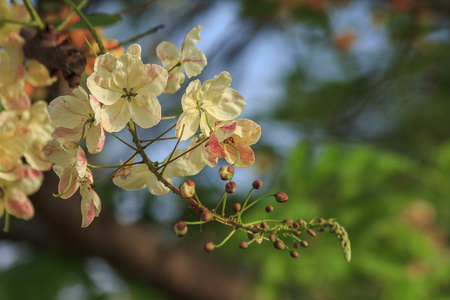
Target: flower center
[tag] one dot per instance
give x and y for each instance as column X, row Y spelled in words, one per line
column 128, row 94
column 229, row 141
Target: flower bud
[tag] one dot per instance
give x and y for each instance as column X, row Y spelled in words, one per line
column 294, row 254
column 206, row 215
column 243, row 245
column 279, row 245
column 281, row 197
column 311, row 232
column 257, row 184
column 264, row 224
column 269, row 208
column 297, row 233
column 304, row 244
column 209, row 247
column 180, row 229
column 226, row 172
column 250, row 236
column 236, row 207
column 296, row 245
column 187, row 189
column 288, row 221
column 230, row 187
column 272, row 237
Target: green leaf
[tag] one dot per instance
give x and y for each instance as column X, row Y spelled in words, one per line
column 98, row 20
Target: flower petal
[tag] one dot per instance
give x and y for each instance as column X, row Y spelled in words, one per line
column 135, row 49
column 226, row 106
column 145, row 110
column 90, row 205
column 95, row 139
column 132, row 178
column 115, row 117
column 168, row 54
column 187, row 124
column 18, row 204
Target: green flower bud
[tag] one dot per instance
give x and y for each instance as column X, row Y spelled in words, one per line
column 187, row 189
column 226, row 172
column 281, row 197
column 209, row 247
column 180, row 229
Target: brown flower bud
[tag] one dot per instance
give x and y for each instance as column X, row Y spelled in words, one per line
column 288, row 221
column 226, row 172
column 209, row 247
column 294, row 254
column 187, row 189
column 278, row 244
column 311, row 232
column 264, row 224
column 243, row 245
column 281, row 197
column 304, row 244
column 296, row 225
column 269, row 208
column 206, row 215
column 297, row 233
column 180, row 229
column 230, row 187
column 236, row 207
column 250, row 236
column 272, row 237
column 296, row 245
column 257, row 184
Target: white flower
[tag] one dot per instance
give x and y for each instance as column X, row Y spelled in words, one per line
column 128, row 89
column 78, row 115
column 205, row 104
column 192, row 58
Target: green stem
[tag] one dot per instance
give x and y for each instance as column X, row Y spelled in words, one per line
column 118, row 166
column 254, row 202
column 122, row 141
column 157, row 138
column 137, row 37
column 226, row 239
column 117, row 169
column 67, row 19
column 173, row 151
column 6, row 226
column 88, row 24
column 68, row 186
column 185, row 152
column 34, row 14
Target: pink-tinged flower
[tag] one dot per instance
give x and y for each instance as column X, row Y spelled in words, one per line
column 15, row 193
column 90, row 204
column 201, row 154
column 70, row 166
column 205, row 104
column 137, row 177
column 78, row 115
column 128, row 89
column 192, row 58
column 232, row 140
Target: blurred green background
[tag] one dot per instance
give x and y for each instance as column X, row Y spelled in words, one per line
column 353, row 100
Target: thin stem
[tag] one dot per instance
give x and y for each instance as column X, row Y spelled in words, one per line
column 162, row 134
column 164, row 139
column 6, row 226
column 68, row 186
column 168, row 118
column 37, row 155
column 117, row 169
column 254, row 202
column 173, row 151
column 195, row 223
column 185, row 152
column 67, row 19
column 226, row 239
column 117, row 166
column 88, row 24
column 137, row 37
column 220, row 200
column 198, row 199
column 34, row 14
column 224, row 203
column 123, row 141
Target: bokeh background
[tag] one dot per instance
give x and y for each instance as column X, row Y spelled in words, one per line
column 353, row 98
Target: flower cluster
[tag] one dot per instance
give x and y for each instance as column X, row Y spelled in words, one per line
column 25, row 127
column 123, row 92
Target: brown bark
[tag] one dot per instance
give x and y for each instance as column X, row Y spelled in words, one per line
column 129, row 248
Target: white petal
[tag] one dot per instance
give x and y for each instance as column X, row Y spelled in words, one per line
column 132, row 178
column 176, row 78
column 104, row 88
column 168, row 54
column 115, row 117
column 194, row 63
column 145, row 110
column 190, row 120
column 135, row 49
